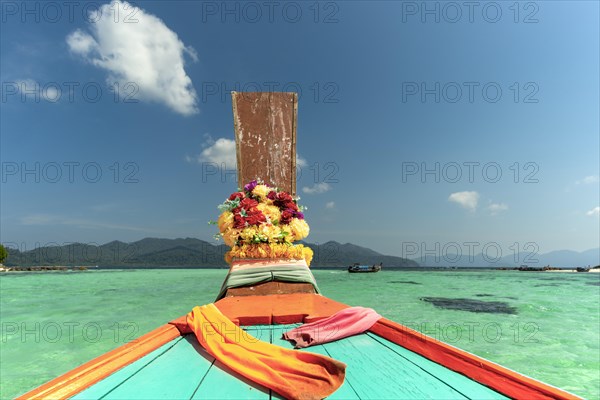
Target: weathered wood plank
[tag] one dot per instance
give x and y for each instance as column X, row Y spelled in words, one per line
column 271, row 288
column 377, row 368
column 457, row 381
column 176, row 374
column 77, row 380
column 375, row 372
column 344, row 392
column 103, row 387
column 265, row 136
column 223, row 383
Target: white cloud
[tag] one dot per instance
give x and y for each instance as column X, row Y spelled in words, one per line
column 30, row 88
column 495, row 208
column 300, row 161
column 81, row 43
column 38, row 219
column 330, row 205
column 588, row 180
column 220, row 151
column 317, row 188
column 47, row 219
column 223, row 151
column 467, row 200
column 594, row 212
column 137, row 48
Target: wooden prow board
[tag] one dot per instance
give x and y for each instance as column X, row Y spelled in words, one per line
column 265, row 138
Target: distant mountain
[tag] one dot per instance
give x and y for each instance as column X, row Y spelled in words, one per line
column 188, row 252
column 568, row 258
column 334, row 254
column 559, row 258
column 150, row 252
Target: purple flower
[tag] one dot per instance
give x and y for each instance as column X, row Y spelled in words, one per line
column 250, row 187
column 299, row 215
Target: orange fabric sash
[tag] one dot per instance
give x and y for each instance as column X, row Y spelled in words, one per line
column 291, row 373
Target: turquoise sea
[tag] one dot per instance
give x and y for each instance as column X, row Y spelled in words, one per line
column 544, row 325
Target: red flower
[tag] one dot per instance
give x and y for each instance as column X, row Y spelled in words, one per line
column 272, row 195
column 290, row 205
column 285, row 201
column 285, row 197
column 286, row 216
column 239, row 222
column 236, row 195
column 256, row 219
column 247, row 204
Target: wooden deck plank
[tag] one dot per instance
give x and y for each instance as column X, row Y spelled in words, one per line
column 80, row 378
column 103, row 387
column 176, row 374
column 460, row 382
column 344, row 392
column 273, row 287
column 222, row 383
column 377, row 368
column 375, row 372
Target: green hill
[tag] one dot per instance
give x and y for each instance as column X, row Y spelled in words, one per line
column 188, row 252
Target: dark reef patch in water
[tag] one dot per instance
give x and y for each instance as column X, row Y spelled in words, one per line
column 409, row 282
column 558, row 278
column 484, row 295
column 547, row 284
column 593, row 283
column 477, row 306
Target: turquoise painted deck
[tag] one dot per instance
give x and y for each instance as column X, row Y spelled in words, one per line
column 377, row 369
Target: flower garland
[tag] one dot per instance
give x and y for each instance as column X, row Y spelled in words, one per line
column 262, row 222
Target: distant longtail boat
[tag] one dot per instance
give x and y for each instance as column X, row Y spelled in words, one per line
column 357, row 268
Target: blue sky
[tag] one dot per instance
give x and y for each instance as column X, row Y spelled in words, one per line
column 420, row 123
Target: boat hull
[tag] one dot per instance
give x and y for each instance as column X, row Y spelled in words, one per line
column 300, row 308
column 355, row 270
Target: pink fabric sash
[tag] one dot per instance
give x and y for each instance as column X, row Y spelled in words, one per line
column 350, row 321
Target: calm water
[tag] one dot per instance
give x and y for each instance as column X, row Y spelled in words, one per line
column 541, row 324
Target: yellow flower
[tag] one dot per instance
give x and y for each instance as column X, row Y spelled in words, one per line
column 287, row 234
column 225, row 221
column 261, row 191
column 248, row 234
column 274, row 250
column 268, row 231
column 230, row 236
column 299, row 228
column 307, row 254
column 270, row 211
